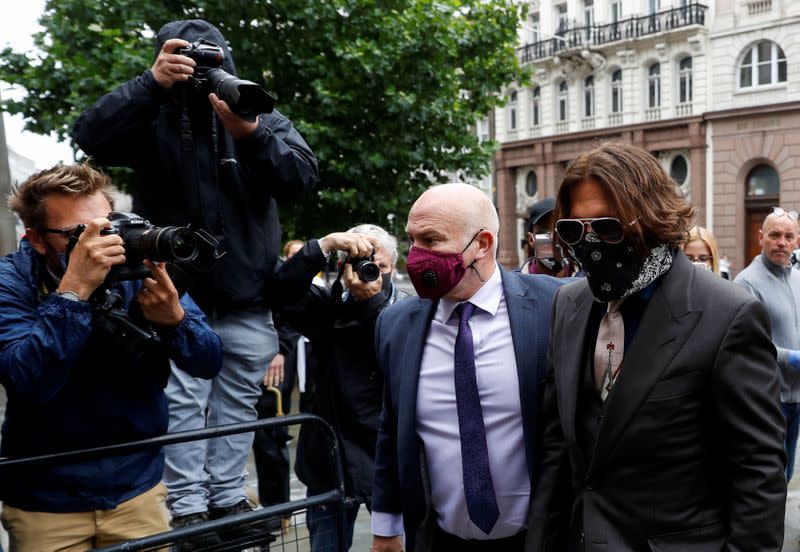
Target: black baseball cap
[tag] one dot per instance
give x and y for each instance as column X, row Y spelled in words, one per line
column 539, row 210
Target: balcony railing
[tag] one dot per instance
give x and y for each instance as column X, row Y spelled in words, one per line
column 587, row 123
column 562, row 126
column 614, row 119
column 683, row 110
column 626, row 29
column 652, row 114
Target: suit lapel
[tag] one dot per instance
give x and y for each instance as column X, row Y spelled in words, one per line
column 522, row 309
column 409, row 363
column 570, row 363
column 666, row 323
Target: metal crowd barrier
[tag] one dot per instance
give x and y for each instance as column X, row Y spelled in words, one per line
column 334, row 497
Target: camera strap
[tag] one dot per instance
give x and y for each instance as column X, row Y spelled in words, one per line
column 191, row 185
column 337, row 288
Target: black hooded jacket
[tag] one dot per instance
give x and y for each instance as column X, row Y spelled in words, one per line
column 232, row 193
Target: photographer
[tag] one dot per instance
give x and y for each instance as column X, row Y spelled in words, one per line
column 349, row 386
column 197, row 162
column 70, row 386
column 543, row 258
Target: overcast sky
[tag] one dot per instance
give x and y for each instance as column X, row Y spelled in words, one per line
column 17, row 27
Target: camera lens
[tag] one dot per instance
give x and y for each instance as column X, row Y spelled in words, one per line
column 245, row 98
column 176, row 244
column 368, row 271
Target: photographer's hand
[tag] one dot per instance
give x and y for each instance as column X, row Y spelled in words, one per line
column 274, row 375
column 170, row 68
column 91, row 259
column 237, row 127
column 356, row 245
column 159, row 298
column 359, row 289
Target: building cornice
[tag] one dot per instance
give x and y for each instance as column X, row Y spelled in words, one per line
column 753, row 110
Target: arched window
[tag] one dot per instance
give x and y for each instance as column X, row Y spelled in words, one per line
column 536, row 96
column 685, row 80
column 512, row 110
column 616, row 91
column 588, row 96
column 654, row 85
column 563, row 104
column 762, row 180
column 763, row 64
column 531, row 184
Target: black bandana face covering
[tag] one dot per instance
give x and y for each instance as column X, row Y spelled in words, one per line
column 615, row 271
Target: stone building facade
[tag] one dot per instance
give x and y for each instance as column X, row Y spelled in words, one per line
column 753, row 124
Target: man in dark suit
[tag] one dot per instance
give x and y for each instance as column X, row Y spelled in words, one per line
column 679, row 448
column 463, row 367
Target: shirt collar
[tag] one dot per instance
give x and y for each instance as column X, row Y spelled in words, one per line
column 487, row 298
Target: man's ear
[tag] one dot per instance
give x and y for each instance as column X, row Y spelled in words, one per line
column 36, row 240
column 486, row 242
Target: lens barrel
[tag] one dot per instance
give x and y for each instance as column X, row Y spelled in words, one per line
column 169, row 244
column 367, row 270
column 244, row 97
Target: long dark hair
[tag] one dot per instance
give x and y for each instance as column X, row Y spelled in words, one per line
column 640, row 190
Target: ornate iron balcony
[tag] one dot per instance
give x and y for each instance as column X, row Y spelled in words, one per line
column 574, row 36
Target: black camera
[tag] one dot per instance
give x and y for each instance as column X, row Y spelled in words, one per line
column 142, row 240
column 245, row 98
column 365, row 267
column 181, row 245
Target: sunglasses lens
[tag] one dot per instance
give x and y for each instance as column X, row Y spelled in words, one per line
column 570, row 231
column 608, row 229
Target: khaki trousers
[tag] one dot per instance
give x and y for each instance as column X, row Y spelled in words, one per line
column 141, row 516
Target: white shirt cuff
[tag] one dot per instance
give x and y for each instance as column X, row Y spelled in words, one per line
column 386, row 524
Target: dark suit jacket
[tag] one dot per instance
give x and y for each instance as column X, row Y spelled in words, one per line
column 400, row 339
column 689, row 452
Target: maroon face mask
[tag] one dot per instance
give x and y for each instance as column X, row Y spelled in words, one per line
column 435, row 274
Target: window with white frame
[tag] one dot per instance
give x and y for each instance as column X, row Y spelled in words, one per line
column 562, row 107
column 616, row 91
column 534, row 24
column 654, row 85
column 588, row 97
column 561, row 19
column 763, row 64
column 512, row 110
column 685, row 80
column 536, row 111
column 588, row 12
column 616, row 10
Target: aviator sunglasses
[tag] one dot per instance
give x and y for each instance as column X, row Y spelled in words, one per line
column 608, row 229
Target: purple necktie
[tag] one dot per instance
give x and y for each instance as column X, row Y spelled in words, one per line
column 478, row 485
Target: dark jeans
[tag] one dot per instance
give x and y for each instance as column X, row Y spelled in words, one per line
column 321, row 521
column 791, row 411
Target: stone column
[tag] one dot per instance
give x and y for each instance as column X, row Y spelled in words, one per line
column 507, row 212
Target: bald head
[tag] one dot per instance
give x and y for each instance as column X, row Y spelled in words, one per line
column 463, row 207
column 457, row 218
column 778, row 238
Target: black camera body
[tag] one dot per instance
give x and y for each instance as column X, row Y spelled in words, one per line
column 244, row 97
column 142, row 240
column 365, row 267
column 129, row 331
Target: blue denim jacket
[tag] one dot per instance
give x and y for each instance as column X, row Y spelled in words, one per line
column 70, row 388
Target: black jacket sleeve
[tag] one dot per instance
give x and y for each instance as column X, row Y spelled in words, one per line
column 117, row 129
column 276, row 156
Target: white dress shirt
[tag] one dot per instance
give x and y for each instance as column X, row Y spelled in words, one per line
column 437, row 419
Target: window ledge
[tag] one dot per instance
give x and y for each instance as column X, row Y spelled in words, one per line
column 760, row 88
